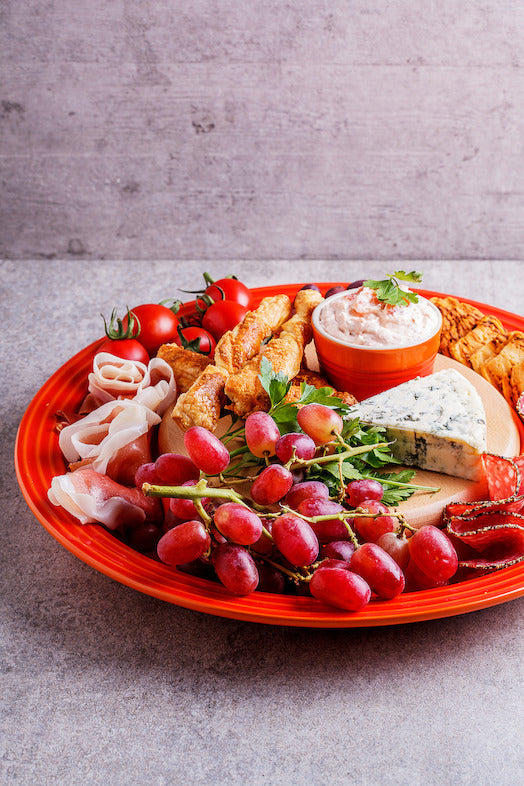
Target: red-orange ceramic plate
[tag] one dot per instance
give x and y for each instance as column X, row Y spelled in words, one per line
column 38, row 459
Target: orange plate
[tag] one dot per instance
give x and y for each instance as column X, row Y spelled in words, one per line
column 38, row 459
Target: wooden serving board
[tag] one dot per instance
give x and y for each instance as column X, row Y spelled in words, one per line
column 503, row 439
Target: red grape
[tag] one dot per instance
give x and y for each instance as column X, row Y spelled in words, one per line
column 271, row 579
column 271, row 485
column 333, row 562
column 364, row 489
column 147, row 474
column 380, row 570
column 298, row 475
column 319, row 422
column 330, row 529
column 397, row 546
column 302, row 446
column 306, row 490
column 432, row 552
column 338, row 549
column 235, row 568
column 184, row 543
column 370, row 529
column 144, row 537
column 238, row 523
column 295, row 539
column 417, row 580
column 264, row 545
column 206, row 450
column 335, row 290
column 341, row 588
column 261, row 434
column 174, row 469
column 183, row 508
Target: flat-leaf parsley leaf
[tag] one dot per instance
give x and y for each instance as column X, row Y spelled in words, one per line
column 389, row 290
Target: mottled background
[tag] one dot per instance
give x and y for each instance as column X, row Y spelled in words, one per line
column 218, row 130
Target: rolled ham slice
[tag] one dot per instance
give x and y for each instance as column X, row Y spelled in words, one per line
column 158, row 388
column 111, row 440
column 116, row 378
column 113, row 377
column 92, row 497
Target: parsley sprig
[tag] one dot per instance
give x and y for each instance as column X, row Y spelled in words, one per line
column 277, row 386
column 390, row 291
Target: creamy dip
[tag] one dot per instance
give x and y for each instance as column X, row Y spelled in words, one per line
column 358, row 317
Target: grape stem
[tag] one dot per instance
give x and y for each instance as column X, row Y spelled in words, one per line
column 343, row 517
column 299, row 463
column 292, row 574
column 197, row 492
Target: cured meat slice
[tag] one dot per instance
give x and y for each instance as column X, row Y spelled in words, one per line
column 468, row 509
column 157, row 391
column 112, row 439
column 494, row 527
column 93, row 497
column 498, row 537
column 505, row 476
column 113, row 377
column 116, row 378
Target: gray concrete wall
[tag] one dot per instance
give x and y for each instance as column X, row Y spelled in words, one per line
column 215, row 130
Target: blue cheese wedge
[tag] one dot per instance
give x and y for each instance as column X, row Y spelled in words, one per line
column 437, row 423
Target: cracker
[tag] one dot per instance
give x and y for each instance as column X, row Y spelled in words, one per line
column 488, row 329
column 458, row 318
column 482, row 355
column 500, row 367
column 517, row 382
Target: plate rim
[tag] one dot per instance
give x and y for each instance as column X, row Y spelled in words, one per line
column 97, row 547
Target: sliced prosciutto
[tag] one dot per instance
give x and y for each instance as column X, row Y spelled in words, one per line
column 117, row 378
column 93, row 497
column 113, row 439
column 158, row 388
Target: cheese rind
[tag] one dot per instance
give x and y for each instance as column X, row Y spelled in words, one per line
column 438, row 423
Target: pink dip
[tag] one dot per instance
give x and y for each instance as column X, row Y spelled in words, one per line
column 359, row 318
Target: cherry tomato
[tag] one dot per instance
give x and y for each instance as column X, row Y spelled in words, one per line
column 197, row 339
column 158, row 325
column 229, row 289
column 125, row 348
column 223, row 316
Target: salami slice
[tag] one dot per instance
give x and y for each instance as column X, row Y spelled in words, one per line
column 497, row 536
column 504, row 476
column 467, row 509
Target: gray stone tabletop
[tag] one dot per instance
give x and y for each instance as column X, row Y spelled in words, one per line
column 102, row 684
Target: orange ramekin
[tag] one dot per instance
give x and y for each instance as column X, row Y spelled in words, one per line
column 365, row 371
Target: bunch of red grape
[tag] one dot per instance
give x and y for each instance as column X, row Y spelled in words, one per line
column 289, row 534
